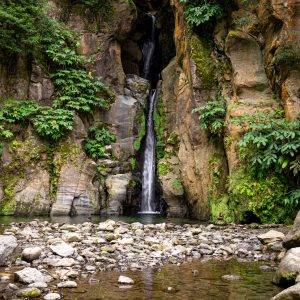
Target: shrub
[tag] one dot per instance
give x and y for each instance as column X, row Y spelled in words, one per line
column 199, row 12
column 18, row 25
column 53, row 123
column 99, row 138
column 270, row 142
column 77, row 90
column 212, row 115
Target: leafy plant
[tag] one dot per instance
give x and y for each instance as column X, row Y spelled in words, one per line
column 18, row 111
column 77, row 90
column 199, row 12
column 18, row 25
column 270, row 142
column 100, row 137
column 212, row 115
column 53, row 123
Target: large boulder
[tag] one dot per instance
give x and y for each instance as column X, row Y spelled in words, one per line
column 8, row 244
column 31, row 275
column 292, row 239
column 117, row 193
column 289, row 268
column 292, row 293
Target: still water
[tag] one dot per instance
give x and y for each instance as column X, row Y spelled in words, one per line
column 142, row 218
column 194, row 280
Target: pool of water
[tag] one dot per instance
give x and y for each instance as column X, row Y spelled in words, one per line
column 194, row 280
column 142, row 218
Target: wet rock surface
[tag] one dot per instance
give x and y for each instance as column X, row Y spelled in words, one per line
column 85, row 249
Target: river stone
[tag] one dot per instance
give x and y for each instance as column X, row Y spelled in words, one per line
column 125, row 280
column 231, row 277
column 288, row 268
column 60, row 262
column 291, row 293
column 69, row 227
column 32, row 253
column 29, row 292
column 38, row 285
column 31, row 275
column 52, row 296
column 72, row 237
column 62, row 249
column 67, row 284
column 8, row 244
column 271, row 236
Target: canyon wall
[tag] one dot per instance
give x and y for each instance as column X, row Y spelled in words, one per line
column 251, row 59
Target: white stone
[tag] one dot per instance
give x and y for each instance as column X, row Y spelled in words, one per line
column 8, row 243
column 62, row 249
column 31, row 275
column 67, row 284
column 125, row 280
column 52, row 296
column 32, row 253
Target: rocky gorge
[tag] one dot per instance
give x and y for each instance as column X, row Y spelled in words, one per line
column 247, row 60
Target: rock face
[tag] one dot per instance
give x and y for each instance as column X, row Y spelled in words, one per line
column 8, row 244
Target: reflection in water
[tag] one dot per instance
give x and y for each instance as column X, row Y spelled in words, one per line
column 191, row 281
column 142, row 218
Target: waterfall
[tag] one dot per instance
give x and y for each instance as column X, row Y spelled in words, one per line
column 148, row 174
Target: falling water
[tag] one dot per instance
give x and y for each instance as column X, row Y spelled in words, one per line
column 148, row 175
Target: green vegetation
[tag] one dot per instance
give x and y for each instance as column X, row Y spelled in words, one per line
column 212, row 115
column 52, row 123
column 25, row 25
column 163, row 169
column 141, row 120
column 262, row 198
column 176, row 184
column 270, row 142
column 199, row 12
column 287, row 56
column 99, row 137
column 159, row 119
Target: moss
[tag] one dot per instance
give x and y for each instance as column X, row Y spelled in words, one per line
column 287, row 56
column 173, row 139
column 163, row 169
column 31, row 293
column 58, row 155
column 133, row 163
column 215, row 168
column 260, row 199
column 142, row 121
column 201, row 54
column 288, row 278
column 220, row 211
column 176, row 184
column 159, row 119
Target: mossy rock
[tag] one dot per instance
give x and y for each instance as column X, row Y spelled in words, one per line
column 201, row 54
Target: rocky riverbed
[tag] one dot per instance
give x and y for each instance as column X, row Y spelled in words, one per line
column 45, row 257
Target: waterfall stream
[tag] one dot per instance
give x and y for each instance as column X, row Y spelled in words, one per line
column 148, row 174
